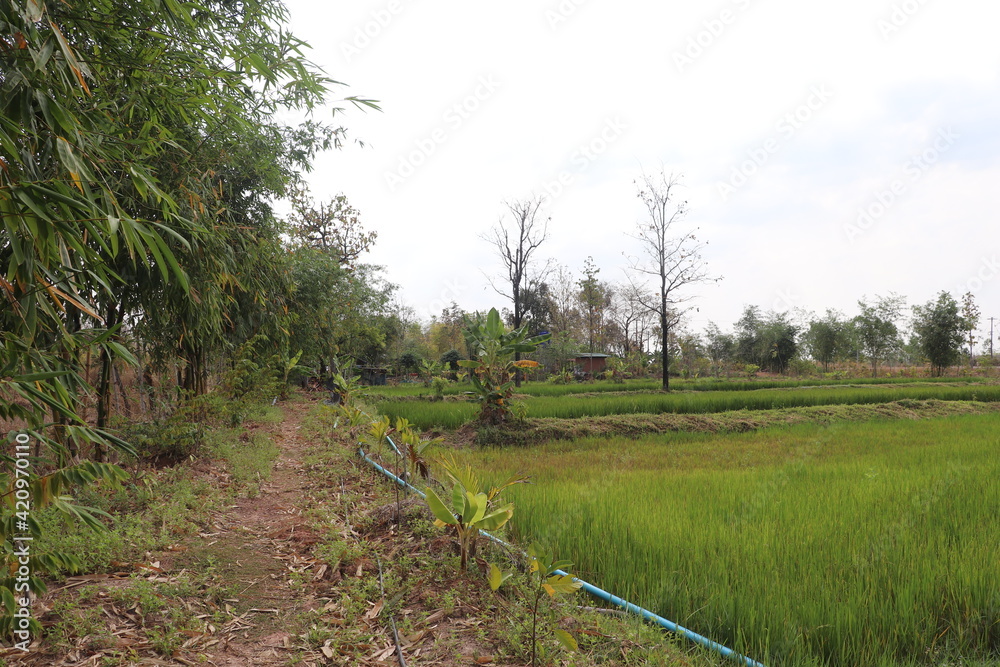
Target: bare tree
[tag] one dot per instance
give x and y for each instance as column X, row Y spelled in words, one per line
column 631, row 316
column 516, row 238
column 563, row 291
column 673, row 261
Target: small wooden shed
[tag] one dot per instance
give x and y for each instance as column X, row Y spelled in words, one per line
column 591, row 362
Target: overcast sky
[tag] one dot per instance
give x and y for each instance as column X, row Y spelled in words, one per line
column 827, row 150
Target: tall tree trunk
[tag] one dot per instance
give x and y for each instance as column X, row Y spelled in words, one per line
column 104, row 386
column 517, row 325
column 665, row 353
column 121, row 398
column 201, row 371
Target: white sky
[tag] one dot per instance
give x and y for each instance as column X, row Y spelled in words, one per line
column 840, row 103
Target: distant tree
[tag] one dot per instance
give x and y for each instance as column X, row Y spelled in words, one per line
column 631, row 317
column 939, row 328
column 446, row 331
column 451, row 358
column 334, row 227
column 537, row 307
column 970, row 320
column 876, row 328
column 720, row 347
column 779, row 342
column 674, row 262
column 337, row 311
column 826, row 338
column 516, row 239
column 766, row 340
column 409, row 361
column 748, row 343
column 691, row 353
column 593, row 297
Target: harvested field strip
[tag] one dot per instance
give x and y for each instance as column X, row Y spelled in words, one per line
column 418, row 390
column 451, row 414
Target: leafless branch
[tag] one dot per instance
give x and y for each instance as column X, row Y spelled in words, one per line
column 516, row 237
column 674, row 261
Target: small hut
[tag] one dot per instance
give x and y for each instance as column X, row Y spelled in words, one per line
column 591, row 362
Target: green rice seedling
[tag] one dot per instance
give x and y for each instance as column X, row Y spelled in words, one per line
column 862, row 544
column 447, row 415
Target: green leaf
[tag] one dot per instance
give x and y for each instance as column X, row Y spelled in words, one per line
column 564, row 583
column 475, row 508
column 35, row 10
column 497, row 518
column 497, row 577
column 567, row 640
column 8, row 599
column 438, row 508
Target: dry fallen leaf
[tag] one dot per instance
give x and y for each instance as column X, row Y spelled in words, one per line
column 436, row 616
column 375, row 610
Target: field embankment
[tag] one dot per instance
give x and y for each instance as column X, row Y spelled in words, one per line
column 450, row 414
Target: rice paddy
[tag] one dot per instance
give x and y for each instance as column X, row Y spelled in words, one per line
column 452, row 414
column 417, row 389
column 854, row 543
column 861, row 544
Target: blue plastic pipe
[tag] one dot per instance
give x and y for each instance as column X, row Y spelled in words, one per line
column 599, row 592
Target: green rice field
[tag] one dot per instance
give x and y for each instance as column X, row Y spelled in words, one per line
column 417, row 389
column 452, row 414
column 854, row 544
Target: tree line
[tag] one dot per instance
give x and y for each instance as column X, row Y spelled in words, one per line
column 141, row 152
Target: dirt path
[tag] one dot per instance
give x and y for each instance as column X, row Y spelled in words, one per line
column 262, row 543
column 252, row 569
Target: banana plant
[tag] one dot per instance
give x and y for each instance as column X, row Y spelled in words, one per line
column 492, row 369
column 471, row 508
column 286, row 366
column 543, row 568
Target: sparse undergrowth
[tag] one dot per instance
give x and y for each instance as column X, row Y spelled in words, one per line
column 180, row 579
